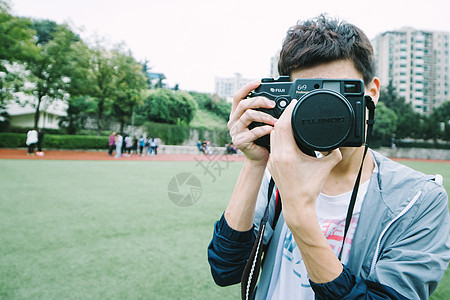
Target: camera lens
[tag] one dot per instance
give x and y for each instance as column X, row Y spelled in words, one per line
column 322, row 120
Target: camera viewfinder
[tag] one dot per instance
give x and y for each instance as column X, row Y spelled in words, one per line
column 352, row 87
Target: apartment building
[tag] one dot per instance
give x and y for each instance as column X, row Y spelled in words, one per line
column 416, row 62
column 226, row 87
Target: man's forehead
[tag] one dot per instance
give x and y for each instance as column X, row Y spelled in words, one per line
column 334, row 69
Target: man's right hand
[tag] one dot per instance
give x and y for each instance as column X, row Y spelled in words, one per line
column 242, row 115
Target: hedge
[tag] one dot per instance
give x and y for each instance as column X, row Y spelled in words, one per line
column 172, row 134
column 56, row 141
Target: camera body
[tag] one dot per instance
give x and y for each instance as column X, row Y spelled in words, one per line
column 330, row 113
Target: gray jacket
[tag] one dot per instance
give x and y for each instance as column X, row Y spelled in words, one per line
column 402, row 239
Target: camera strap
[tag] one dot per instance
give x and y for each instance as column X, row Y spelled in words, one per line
column 252, row 268
column 371, row 120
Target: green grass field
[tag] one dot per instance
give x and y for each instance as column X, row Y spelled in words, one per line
column 108, row 230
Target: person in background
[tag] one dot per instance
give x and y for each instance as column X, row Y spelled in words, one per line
column 32, row 139
column 119, row 143
column 141, row 145
column 128, row 145
column 112, row 143
column 135, row 145
column 200, row 146
column 153, row 144
column 39, row 143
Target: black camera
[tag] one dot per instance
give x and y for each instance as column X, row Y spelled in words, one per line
column 330, row 113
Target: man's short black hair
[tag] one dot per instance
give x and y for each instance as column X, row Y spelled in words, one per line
column 322, row 40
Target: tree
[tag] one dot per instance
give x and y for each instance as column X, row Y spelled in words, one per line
column 79, row 109
column 186, row 107
column 100, row 83
column 408, row 123
column 213, row 103
column 50, row 66
column 130, row 83
column 166, row 106
column 146, row 70
column 385, row 124
column 17, row 45
column 441, row 120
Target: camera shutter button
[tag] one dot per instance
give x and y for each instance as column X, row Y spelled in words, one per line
column 282, row 103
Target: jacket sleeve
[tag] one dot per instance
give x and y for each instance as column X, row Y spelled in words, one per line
column 348, row 287
column 420, row 254
column 411, row 262
column 228, row 253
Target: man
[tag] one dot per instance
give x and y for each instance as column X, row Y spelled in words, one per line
column 397, row 246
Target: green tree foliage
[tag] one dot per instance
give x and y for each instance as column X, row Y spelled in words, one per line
column 100, row 83
column 45, row 30
column 130, row 82
column 146, row 70
column 50, row 66
column 385, row 124
column 78, row 111
column 16, row 45
column 408, row 122
column 213, row 104
column 170, row 134
column 440, row 118
column 166, row 106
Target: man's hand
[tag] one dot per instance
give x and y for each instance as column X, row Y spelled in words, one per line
column 299, row 177
column 240, row 211
column 242, row 115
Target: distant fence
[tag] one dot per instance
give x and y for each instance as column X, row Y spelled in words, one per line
column 172, row 149
column 411, row 153
column 415, row 153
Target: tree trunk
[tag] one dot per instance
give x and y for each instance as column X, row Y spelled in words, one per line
column 122, row 125
column 37, row 113
column 100, row 116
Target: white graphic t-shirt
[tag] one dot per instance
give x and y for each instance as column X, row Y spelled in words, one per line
column 289, row 278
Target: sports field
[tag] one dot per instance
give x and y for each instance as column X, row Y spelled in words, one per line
column 74, row 229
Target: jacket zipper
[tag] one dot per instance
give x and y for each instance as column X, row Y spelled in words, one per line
column 404, row 211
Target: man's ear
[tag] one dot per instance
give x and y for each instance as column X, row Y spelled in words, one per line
column 374, row 89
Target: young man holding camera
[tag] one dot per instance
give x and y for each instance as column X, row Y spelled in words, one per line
column 397, row 245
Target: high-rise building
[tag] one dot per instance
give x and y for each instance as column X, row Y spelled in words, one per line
column 416, row 62
column 226, row 87
column 274, row 65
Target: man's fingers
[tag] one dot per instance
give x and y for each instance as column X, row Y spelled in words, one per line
column 250, row 136
column 247, row 104
column 287, row 113
column 243, row 92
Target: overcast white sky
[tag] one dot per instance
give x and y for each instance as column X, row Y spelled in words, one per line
column 191, row 42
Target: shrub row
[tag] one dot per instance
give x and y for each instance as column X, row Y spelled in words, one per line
column 55, row 141
column 172, row 134
column 169, row 134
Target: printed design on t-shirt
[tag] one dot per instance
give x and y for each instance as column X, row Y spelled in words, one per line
column 333, row 231
column 291, row 253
